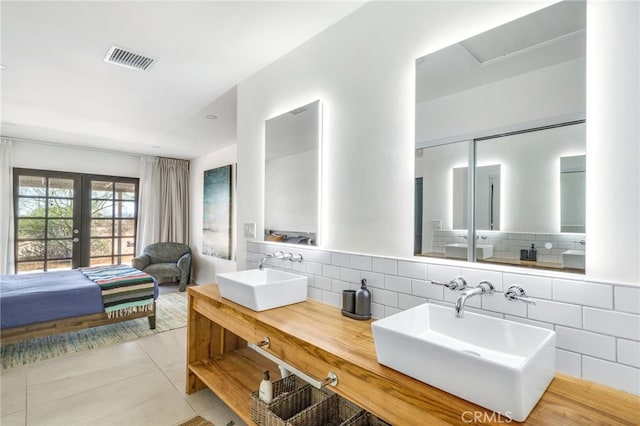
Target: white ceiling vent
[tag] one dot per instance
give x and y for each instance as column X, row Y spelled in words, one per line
column 129, row 59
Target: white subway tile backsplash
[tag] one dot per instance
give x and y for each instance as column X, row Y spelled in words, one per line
column 627, row 299
column 323, row 283
column 314, row 293
column 313, row 268
column 597, row 324
column 338, row 286
column 412, row 270
column 384, row 297
column 556, row 312
column 360, row 262
column 350, row 275
column 330, row 298
column 442, row 273
column 399, row 284
column 374, row 279
column 585, row 342
column 568, row 363
column 388, row 311
column 341, row 259
column 629, row 352
column 406, row 301
column 611, row 374
column 536, row 287
column 614, row 323
column 331, row 271
column 377, row 311
column 475, row 276
column 583, row 293
column 530, row 322
column 385, row 266
column 426, row 289
column 498, row 303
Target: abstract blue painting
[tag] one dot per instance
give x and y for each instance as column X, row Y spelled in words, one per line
column 216, row 220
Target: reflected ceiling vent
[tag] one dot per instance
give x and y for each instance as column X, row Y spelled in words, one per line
column 129, row 59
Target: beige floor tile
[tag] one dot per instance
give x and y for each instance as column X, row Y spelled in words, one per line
column 222, row 416
column 85, row 362
column 166, row 348
column 203, row 401
column 86, row 371
column 15, row 419
column 177, row 375
column 168, row 409
column 13, row 390
column 87, row 407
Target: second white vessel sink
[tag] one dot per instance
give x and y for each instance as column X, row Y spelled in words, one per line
column 264, row 289
column 459, row 250
column 500, row 365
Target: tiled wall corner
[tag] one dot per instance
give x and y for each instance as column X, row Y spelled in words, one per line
column 597, row 324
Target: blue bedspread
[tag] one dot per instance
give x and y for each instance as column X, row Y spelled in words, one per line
column 32, row 298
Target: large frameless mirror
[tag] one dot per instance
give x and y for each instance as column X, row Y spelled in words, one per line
column 500, row 144
column 292, row 175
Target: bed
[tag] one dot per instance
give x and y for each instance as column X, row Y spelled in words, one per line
column 41, row 304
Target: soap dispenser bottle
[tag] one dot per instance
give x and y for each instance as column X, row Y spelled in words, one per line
column 363, row 300
column 533, row 253
column 266, row 389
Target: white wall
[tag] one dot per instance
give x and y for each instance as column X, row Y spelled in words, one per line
column 33, row 155
column 362, row 69
column 205, row 268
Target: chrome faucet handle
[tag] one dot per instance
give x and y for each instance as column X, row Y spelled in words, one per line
column 515, row 292
column 458, row 283
column 487, row 287
column 296, row 258
column 287, row 256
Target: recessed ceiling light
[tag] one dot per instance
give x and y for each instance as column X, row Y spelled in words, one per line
column 3, row 67
column 155, row 146
column 212, row 117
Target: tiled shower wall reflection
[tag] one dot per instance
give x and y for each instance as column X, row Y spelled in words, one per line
column 597, row 324
column 507, row 245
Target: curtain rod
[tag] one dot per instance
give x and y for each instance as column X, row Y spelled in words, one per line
column 86, row 148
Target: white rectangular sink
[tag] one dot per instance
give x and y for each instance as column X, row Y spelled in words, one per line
column 264, row 289
column 459, row 250
column 573, row 259
column 500, row 365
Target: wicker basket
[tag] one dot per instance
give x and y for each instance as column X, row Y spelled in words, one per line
column 332, row 411
column 365, row 419
column 281, row 389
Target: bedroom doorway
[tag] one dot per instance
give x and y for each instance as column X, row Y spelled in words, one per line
column 66, row 220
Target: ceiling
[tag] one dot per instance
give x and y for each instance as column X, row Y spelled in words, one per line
column 57, row 88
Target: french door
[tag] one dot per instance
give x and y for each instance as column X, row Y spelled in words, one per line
column 65, row 220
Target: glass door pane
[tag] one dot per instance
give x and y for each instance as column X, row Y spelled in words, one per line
column 46, row 217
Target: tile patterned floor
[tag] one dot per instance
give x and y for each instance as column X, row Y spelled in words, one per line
column 138, row 383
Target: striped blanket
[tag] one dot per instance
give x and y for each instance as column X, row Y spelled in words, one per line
column 125, row 290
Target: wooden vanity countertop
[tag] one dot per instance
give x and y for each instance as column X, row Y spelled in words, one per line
column 322, row 330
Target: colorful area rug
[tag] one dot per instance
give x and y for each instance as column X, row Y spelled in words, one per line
column 171, row 314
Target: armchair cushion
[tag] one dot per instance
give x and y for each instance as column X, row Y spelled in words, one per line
column 163, row 260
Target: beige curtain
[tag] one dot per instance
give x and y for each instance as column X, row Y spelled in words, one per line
column 6, row 207
column 173, row 195
column 148, row 204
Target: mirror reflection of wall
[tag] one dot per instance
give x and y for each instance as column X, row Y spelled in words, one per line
column 292, row 175
column 527, row 74
column 573, row 191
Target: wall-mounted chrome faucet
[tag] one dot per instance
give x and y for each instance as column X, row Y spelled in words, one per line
column 485, row 287
column 515, row 293
column 458, row 283
column 280, row 255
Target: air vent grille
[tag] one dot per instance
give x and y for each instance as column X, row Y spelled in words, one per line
column 129, row 59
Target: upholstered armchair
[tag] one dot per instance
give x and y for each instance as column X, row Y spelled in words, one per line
column 166, row 260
